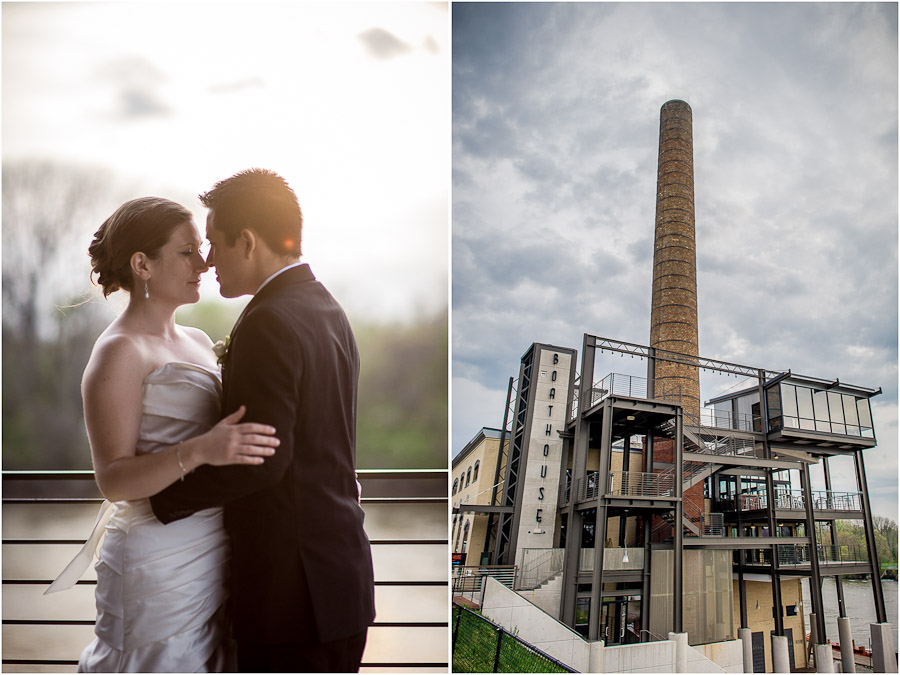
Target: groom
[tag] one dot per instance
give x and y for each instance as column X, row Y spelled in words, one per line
column 301, row 568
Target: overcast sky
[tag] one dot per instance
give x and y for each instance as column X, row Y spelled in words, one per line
column 555, row 141
column 348, row 101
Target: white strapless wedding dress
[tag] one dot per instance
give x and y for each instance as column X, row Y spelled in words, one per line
column 161, row 588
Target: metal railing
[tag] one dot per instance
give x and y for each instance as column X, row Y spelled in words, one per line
column 795, row 500
column 722, row 419
column 405, row 519
column 753, row 502
column 799, row 554
column 828, row 500
column 641, row 484
column 631, row 386
column 707, row 524
column 588, row 487
column 565, row 490
column 468, row 580
column 842, row 555
column 539, row 565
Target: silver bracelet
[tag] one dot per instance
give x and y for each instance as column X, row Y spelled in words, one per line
column 178, row 457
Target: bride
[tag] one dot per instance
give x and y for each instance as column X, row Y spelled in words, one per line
column 151, row 393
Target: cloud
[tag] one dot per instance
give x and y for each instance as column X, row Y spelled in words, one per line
column 137, row 84
column 383, row 44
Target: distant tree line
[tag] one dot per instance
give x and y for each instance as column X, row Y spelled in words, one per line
column 852, row 535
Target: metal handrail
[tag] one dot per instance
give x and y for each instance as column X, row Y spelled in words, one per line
column 470, row 578
column 619, row 384
column 799, row 554
column 722, row 419
column 539, row 565
column 641, row 484
column 795, row 500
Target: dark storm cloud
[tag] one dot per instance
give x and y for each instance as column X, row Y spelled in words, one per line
column 555, row 131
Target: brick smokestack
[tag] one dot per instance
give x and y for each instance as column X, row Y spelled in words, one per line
column 673, row 314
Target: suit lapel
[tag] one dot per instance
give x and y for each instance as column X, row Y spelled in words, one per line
column 295, row 275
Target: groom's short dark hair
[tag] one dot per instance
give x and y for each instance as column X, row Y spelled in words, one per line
column 260, row 200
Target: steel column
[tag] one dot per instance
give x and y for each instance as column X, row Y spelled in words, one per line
column 815, row 579
column 497, row 472
column 579, row 471
column 880, row 611
column 742, row 591
column 778, row 611
column 678, row 563
column 601, row 524
column 838, row 584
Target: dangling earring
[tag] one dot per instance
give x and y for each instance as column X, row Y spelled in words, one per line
column 146, row 291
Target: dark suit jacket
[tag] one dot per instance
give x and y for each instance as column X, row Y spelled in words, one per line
column 299, row 552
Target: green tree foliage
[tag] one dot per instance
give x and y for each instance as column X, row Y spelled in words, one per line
column 403, row 395
column 402, row 416
column 851, row 535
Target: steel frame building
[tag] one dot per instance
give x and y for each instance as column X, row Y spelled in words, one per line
column 745, row 452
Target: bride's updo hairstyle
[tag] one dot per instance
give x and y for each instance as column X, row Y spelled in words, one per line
column 140, row 225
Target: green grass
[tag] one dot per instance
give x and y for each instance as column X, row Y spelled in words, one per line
column 475, row 649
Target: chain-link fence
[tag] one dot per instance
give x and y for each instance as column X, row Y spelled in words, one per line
column 481, row 646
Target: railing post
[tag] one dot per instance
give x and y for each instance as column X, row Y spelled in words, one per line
column 497, row 653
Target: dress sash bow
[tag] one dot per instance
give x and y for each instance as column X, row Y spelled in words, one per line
column 77, row 566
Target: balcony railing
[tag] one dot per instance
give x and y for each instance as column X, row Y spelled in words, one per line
column 798, row 554
column 795, row 500
column 641, row 484
column 723, row 419
column 47, row 515
column 617, row 384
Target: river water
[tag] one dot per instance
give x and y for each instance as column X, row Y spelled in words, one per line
column 860, row 602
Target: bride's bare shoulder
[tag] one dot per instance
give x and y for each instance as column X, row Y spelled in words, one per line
column 116, row 354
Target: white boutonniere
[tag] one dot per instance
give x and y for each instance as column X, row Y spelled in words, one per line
column 220, row 349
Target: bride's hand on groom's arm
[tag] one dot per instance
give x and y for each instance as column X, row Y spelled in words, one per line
column 232, row 442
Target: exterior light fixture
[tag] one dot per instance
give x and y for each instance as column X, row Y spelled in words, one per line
column 625, row 557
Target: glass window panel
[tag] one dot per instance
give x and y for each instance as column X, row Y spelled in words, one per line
column 865, row 414
column 852, row 430
column 820, row 401
column 804, row 402
column 850, row 415
column 807, row 424
column 823, row 426
column 836, row 407
column 789, row 399
column 838, row 429
column 868, row 432
column 791, row 422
